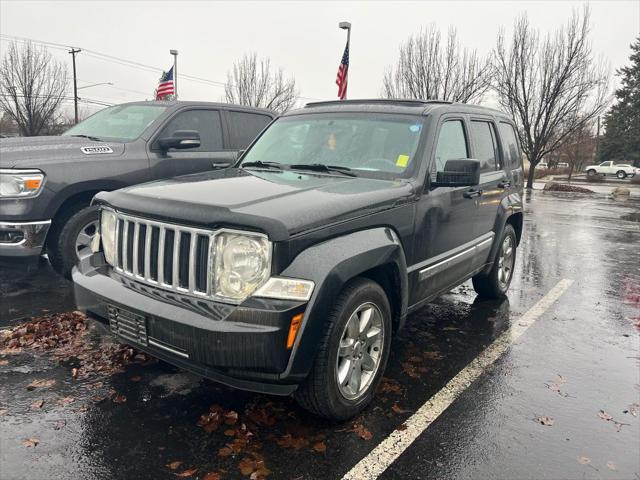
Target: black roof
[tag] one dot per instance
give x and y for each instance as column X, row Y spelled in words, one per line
column 402, row 106
column 182, row 103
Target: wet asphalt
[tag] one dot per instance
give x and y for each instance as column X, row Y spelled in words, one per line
column 581, row 357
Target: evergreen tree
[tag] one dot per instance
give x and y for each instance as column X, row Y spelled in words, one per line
column 621, row 141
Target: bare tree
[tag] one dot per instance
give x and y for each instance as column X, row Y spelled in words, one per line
column 32, row 87
column 552, row 86
column 578, row 148
column 252, row 83
column 431, row 69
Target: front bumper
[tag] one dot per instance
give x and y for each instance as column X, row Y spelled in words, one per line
column 23, row 239
column 243, row 346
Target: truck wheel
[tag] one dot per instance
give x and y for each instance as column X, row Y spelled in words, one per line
column 621, row 174
column 591, row 172
column 352, row 355
column 496, row 283
column 73, row 240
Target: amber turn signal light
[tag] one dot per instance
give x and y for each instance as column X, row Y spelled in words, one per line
column 293, row 329
column 32, row 183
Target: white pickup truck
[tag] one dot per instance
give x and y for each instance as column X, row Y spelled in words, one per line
column 609, row 168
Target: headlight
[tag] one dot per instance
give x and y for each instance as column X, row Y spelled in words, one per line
column 242, row 263
column 20, row 183
column 108, row 235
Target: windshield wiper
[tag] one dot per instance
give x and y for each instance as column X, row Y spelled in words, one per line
column 90, row 137
column 321, row 167
column 262, row 164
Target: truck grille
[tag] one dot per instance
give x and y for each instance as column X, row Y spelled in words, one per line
column 170, row 256
column 128, row 325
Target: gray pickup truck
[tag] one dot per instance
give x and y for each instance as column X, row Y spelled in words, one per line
column 47, row 183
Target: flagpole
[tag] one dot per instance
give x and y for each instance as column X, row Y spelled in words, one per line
column 175, row 73
column 347, row 26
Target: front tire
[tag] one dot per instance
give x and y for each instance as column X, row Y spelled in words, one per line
column 591, row 172
column 621, row 174
column 73, row 240
column 496, row 283
column 352, row 355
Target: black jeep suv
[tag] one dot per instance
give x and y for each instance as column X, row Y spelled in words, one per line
column 291, row 271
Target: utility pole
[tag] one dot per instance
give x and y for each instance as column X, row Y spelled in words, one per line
column 73, row 52
column 175, row 73
column 598, row 139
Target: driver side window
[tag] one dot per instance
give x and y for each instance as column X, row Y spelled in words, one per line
column 452, row 144
column 206, row 122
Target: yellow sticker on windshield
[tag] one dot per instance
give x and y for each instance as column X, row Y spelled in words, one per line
column 402, row 161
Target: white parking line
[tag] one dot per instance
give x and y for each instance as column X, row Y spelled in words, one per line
column 374, row 464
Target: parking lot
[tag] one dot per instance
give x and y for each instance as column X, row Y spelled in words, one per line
column 545, row 384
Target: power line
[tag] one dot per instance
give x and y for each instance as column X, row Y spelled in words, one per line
column 125, row 62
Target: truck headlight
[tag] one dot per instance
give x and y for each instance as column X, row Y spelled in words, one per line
column 242, row 263
column 108, row 235
column 20, row 183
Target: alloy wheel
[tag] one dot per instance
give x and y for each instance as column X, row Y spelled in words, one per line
column 85, row 237
column 360, row 351
column 506, row 261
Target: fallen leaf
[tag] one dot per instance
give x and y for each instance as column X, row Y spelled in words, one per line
column 212, row 476
column 30, row 442
column 546, row 421
column 40, row 383
column 604, row 415
column 174, row 465
column 320, row 447
column 3, row 412
column 402, row 427
column 65, row 401
column 389, row 386
column 187, row 473
column 396, row 409
column 37, row 404
column 4, row 362
column 230, row 432
column 225, row 452
column 119, row 399
column 362, row 431
column 230, row 417
column 584, row 460
column 136, row 378
column 74, row 372
column 611, row 466
column 247, row 466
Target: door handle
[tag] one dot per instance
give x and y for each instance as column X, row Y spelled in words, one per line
column 220, row 164
column 472, row 193
column 504, row 184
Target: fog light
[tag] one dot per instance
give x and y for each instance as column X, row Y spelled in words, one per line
column 286, row 289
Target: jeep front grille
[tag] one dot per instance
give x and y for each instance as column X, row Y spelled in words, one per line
column 170, row 256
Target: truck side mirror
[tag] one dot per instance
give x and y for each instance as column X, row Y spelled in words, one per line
column 458, row 173
column 181, row 139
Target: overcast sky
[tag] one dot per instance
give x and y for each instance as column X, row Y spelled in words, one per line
column 301, row 37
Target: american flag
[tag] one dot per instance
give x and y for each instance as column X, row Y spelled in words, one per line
column 343, row 70
column 165, row 87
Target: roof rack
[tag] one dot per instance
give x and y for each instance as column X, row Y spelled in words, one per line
column 408, row 102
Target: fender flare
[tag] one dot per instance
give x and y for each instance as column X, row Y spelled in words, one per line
column 331, row 264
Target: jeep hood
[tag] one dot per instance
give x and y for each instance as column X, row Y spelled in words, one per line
column 38, row 152
column 279, row 203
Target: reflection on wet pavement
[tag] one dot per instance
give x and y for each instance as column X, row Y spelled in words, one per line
column 589, row 339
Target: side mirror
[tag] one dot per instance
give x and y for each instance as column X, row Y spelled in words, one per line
column 180, row 139
column 458, row 173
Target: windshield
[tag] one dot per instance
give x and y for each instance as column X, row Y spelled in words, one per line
column 369, row 145
column 121, row 123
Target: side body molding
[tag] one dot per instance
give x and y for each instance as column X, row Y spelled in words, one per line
column 331, row 265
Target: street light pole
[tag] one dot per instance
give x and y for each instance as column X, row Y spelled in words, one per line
column 175, row 73
column 73, row 52
column 347, row 26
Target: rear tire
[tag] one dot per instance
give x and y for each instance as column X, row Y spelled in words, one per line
column 496, row 283
column 331, row 390
column 621, row 174
column 72, row 238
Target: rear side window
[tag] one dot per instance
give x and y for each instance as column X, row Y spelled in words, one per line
column 486, row 145
column 510, row 144
column 452, row 144
column 206, row 122
column 244, row 127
